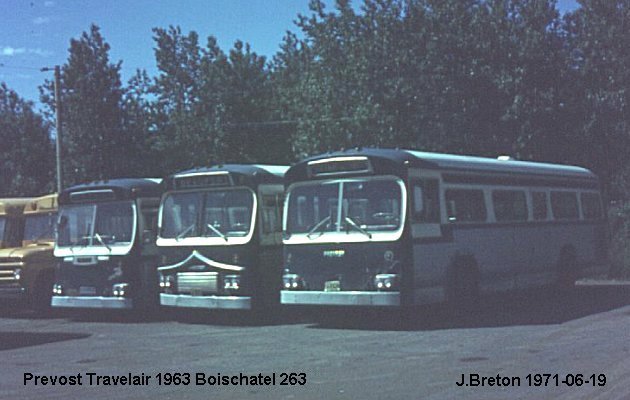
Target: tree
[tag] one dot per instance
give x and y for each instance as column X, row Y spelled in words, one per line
column 212, row 107
column 597, row 36
column 27, row 157
column 94, row 142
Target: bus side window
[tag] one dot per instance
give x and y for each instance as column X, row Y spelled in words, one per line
column 591, row 206
column 539, row 205
column 509, row 205
column 150, row 225
column 465, row 205
column 271, row 213
column 564, row 205
column 426, row 200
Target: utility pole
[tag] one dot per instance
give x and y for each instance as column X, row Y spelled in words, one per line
column 58, row 124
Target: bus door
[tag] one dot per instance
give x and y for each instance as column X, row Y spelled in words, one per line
column 269, row 254
column 430, row 238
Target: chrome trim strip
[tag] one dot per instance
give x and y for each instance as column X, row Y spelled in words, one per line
column 209, row 302
column 205, row 260
column 91, row 302
column 389, row 299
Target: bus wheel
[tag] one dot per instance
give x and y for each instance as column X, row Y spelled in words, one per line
column 463, row 288
column 147, row 299
column 567, row 270
column 42, row 293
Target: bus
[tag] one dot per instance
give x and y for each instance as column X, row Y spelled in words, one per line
column 106, row 245
column 385, row 227
column 27, row 270
column 220, row 237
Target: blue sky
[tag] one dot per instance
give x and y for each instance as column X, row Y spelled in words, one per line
column 37, row 33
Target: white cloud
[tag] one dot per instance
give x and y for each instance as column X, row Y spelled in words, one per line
column 9, row 51
column 12, row 51
column 49, row 3
column 41, row 20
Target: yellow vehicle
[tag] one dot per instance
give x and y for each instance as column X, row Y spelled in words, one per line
column 12, row 221
column 26, row 259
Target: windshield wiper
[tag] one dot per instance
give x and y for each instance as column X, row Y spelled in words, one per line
column 184, row 232
column 100, row 239
column 218, row 232
column 317, row 226
column 357, row 227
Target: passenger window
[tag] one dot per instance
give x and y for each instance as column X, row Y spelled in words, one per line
column 426, row 200
column 509, row 205
column 465, row 205
column 539, row 205
column 591, row 205
column 564, row 205
column 271, row 213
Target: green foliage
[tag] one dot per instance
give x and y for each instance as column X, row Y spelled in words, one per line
column 619, row 254
column 483, row 77
column 26, row 153
column 94, row 142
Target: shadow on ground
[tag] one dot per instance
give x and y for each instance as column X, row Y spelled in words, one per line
column 16, row 340
column 277, row 316
column 540, row 307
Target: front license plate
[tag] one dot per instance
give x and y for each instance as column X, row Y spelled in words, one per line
column 332, row 286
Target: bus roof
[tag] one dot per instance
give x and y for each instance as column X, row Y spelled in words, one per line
column 111, row 189
column 42, row 204
column 396, row 161
column 227, row 175
column 13, row 205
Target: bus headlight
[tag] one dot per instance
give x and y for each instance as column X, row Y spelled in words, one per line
column 167, row 282
column 232, row 282
column 120, row 289
column 17, row 274
column 386, row 282
column 293, row 282
column 57, row 289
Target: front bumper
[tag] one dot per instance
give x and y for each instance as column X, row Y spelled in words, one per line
column 384, row 299
column 209, row 302
column 91, row 302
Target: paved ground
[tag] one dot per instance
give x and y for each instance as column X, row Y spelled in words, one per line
column 349, row 354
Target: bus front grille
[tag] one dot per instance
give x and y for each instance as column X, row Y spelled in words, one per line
column 7, row 270
column 197, row 283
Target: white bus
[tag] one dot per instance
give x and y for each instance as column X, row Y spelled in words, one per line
column 220, row 237
column 382, row 227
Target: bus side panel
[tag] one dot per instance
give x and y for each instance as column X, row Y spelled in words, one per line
column 508, row 256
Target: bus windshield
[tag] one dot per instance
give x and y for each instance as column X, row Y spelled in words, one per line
column 40, row 227
column 367, row 205
column 212, row 213
column 101, row 224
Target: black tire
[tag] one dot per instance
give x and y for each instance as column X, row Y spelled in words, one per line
column 146, row 302
column 42, row 293
column 567, row 269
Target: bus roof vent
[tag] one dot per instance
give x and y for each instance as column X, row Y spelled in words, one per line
column 505, row 158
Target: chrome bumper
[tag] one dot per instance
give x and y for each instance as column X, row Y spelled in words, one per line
column 389, row 299
column 210, row 302
column 91, row 302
